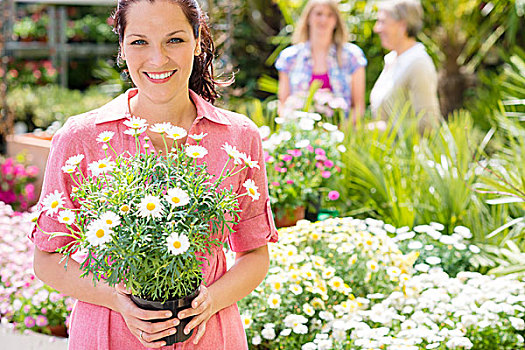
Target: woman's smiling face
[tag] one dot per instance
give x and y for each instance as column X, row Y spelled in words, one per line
column 159, row 48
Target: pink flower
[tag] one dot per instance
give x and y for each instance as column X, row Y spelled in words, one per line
column 319, row 165
column 20, row 170
column 295, row 152
column 32, row 171
column 320, row 157
column 287, row 157
column 275, row 183
column 328, row 163
column 320, row 152
column 310, row 148
column 29, row 322
column 41, row 321
column 30, row 191
column 289, row 182
column 326, row 174
column 333, row 195
column 283, row 170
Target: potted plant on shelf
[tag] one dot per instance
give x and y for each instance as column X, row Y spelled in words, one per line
column 147, row 220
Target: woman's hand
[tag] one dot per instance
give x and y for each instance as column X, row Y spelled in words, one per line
column 148, row 333
column 202, row 307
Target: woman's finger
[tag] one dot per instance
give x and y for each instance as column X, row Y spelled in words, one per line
column 154, row 338
column 203, row 295
column 200, row 332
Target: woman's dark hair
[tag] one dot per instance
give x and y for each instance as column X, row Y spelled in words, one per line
column 202, row 79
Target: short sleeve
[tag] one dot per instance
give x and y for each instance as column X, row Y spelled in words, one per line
column 65, row 144
column 286, row 59
column 355, row 57
column 256, row 226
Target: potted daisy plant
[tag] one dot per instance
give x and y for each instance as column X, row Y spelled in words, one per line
column 147, row 220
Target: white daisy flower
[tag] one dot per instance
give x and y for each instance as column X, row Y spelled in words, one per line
column 124, row 209
column 66, row 217
column 372, row 265
column 393, row 271
column 247, row 321
column 232, row 152
column 110, row 218
column 161, row 128
column 136, row 123
column 274, row 301
column 198, row 137
column 53, row 202
column 75, row 160
column 336, row 283
column 134, row 132
column 302, row 143
column 101, row 166
column 268, row 333
column 105, row 136
column 308, row 309
column 177, row 244
column 69, row 168
column 296, row 289
column 98, row 233
column 252, row 189
column 150, row 206
column 194, row 151
column 250, row 163
column 177, row 197
column 176, row 132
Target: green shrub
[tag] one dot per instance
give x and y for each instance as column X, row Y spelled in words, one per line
column 41, row 106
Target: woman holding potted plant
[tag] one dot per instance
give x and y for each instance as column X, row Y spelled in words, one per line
column 168, row 51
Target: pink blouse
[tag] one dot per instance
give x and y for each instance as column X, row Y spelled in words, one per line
column 99, row 328
column 324, row 79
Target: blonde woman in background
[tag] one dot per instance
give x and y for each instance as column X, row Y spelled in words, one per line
column 321, row 52
column 409, row 74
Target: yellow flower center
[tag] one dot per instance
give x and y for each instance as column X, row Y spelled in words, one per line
column 109, row 221
column 275, row 301
column 102, row 166
column 124, row 208
column 175, row 200
column 75, row 189
column 150, row 206
column 252, row 191
column 177, row 244
column 65, row 218
column 337, row 284
column 54, row 204
column 246, row 321
column 195, row 154
column 277, row 285
column 100, row 233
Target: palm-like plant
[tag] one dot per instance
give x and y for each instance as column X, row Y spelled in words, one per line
column 463, row 36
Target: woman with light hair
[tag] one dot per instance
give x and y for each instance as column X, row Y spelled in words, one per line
column 321, row 52
column 409, row 75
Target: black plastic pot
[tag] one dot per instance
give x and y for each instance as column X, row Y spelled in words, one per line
column 175, row 306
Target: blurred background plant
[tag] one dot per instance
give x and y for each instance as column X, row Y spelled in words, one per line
column 302, row 160
column 24, row 299
column 16, row 182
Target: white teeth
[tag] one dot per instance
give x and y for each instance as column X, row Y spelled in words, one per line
column 160, row 76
